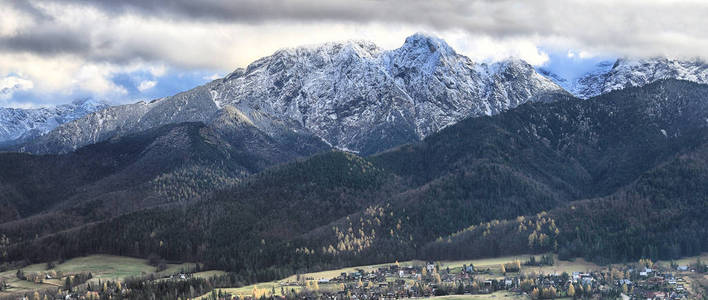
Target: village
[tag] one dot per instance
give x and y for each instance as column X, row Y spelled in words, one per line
column 641, row 280
column 525, row 277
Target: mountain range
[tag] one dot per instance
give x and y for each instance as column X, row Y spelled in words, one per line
column 608, row 76
column 345, row 154
column 614, row 165
column 353, row 95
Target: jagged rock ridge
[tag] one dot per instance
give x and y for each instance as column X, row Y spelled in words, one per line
column 353, row 95
column 625, row 72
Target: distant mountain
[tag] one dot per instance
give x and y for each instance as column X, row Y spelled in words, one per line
column 489, row 185
column 626, row 72
column 24, row 124
column 353, row 95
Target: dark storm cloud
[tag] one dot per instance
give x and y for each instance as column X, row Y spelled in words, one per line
column 439, row 14
column 259, row 10
column 47, row 41
column 630, row 27
column 600, row 21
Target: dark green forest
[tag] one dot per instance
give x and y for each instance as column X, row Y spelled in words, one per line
column 618, row 177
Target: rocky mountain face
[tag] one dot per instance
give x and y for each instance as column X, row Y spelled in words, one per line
column 631, row 72
column 358, row 97
column 353, row 95
column 22, row 124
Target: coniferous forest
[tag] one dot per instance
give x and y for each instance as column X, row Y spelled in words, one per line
column 615, row 178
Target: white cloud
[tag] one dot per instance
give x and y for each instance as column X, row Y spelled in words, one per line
column 146, row 85
column 11, row 84
column 65, row 46
column 13, row 19
column 62, row 77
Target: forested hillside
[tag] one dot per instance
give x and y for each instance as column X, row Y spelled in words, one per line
column 616, row 177
column 661, row 215
column 173, row 164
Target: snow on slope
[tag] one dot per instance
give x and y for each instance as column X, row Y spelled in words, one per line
column 18, row 123
column 357, row 96
column 353, row 95
column 631, row 72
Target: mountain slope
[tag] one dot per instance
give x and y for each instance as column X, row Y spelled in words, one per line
column 631, row 72
column 175, row 163
column 194, row 106
column 353, row 95
column 25, row 124
column 661, row 215
column 339, row 208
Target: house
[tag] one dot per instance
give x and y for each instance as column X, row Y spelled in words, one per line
column 656, row 280
column 586, row 279
column 508, row 282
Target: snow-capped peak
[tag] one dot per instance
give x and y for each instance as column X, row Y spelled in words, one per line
column 428, row 42
column 626, row 72
column 352, row 94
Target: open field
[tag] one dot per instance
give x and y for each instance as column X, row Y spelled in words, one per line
column 497, row 296
column 560, row 266
column 484, row 263
column 687, row 260
column 578, row 265
column 101, row 266
column 17, row 285
column 208, row 274
column 266, row 287
column 492, row 263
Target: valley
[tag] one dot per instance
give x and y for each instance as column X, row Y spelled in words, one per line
column 487, row 278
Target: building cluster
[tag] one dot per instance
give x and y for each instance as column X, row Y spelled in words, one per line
column 394, row 281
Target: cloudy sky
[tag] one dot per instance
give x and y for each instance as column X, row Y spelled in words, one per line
column 53, row 52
